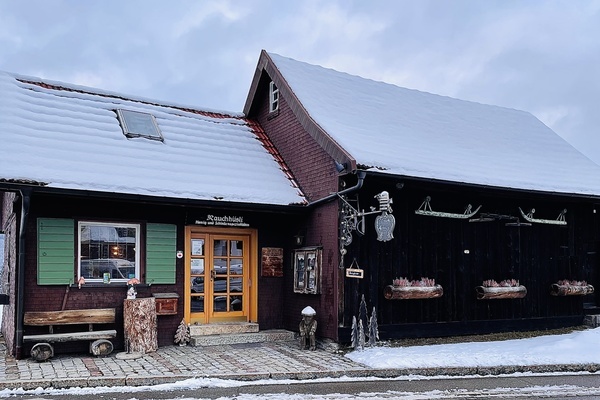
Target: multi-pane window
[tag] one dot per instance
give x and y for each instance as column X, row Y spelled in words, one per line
column 273, row 97
column 108, row 251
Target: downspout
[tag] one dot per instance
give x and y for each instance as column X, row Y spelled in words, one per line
column 20, row 303
column 361, row 177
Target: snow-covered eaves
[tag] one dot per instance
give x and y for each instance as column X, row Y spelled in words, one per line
column 404, row 132
column 68, row 137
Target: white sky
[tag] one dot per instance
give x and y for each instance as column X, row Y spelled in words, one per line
column 540, row 56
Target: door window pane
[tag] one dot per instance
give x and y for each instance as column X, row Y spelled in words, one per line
column 220, row 248
column 236, row 303
column 236, row 248
column 220, row 285
column 198, row 284
column 236, row 266
column 197, row 303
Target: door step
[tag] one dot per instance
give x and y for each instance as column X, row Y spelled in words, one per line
column 218, row 339
column 223, row 329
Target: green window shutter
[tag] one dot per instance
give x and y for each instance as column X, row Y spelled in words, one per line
column 56, row 251
column 161, row 244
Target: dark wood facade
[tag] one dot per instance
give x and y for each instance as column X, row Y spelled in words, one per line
column 461, row 253
column 274, row 230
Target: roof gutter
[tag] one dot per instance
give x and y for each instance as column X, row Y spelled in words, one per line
column 361, row 178
column 20, row 298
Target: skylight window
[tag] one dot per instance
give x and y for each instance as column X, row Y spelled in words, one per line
column 139, row 124
column 273, row 97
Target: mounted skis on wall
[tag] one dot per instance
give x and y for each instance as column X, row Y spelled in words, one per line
column 425, row 209
column 560, row 220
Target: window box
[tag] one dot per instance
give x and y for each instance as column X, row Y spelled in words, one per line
column 571, row 288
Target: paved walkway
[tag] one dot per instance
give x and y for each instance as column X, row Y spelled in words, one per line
column 274, row 360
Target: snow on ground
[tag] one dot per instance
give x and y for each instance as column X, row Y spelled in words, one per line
column 571, row 348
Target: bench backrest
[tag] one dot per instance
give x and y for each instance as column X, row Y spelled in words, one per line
column 70, row 317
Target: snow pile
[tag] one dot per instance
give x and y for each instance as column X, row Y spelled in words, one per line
column 571, row 348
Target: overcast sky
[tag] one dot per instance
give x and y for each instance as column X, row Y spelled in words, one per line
column 536, row 55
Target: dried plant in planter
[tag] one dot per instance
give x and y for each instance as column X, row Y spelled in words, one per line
column 506, row 289
column 423, row 282
column 504, row 283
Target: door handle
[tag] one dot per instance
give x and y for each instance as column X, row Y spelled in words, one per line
column 212, row 274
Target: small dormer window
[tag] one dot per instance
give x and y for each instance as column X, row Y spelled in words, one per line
column 139, row 124
column 273, row 97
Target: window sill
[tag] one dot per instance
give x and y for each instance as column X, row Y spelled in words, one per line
column 108, row 285
column 273, row 114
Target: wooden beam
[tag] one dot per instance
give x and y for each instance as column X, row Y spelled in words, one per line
column 70, row 337
column 70, row 317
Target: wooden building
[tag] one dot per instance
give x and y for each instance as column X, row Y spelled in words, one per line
column 109, row 188
column 480, row 193
column 327, row 189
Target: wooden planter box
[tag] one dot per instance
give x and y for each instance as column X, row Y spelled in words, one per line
column 391, row 292
column 500, row 292
column 570, row 290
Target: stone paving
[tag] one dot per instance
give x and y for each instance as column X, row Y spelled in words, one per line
column 271, row 360
column 250, row 361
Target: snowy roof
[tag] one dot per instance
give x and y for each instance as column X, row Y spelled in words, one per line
column 411, row 133
column 67, row 136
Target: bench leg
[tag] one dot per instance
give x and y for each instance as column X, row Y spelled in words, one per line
column 42, row 351
column 101, row 347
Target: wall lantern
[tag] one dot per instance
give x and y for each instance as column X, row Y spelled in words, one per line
column 299, row 239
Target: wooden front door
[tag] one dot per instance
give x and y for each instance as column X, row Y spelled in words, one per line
column 220, row 270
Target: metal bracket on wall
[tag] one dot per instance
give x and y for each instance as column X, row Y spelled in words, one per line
column 353, row 219
column 425, row 209
column 560, row 220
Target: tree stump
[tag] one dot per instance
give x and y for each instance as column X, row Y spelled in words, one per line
column 139, row 317
column 42, row 351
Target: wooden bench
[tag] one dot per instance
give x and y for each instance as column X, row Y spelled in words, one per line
column 99, row 343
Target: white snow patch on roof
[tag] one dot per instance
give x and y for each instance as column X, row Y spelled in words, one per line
column 72, row 140
column 411, row 133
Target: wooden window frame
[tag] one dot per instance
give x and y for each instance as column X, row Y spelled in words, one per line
column 137, row 244
column 307, row 270
column 273, row 97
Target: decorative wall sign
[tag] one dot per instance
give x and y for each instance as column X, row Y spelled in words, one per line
column 560, row 220
column 307, row 270
column 354, row 271
column 384, row 226
column 425, row 209
column 224, row 220
column 272, row 262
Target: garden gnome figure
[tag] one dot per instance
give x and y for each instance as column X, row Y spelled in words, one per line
column 308, row 327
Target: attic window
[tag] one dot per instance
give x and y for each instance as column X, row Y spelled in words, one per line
column 139, row 124
column 273, row 97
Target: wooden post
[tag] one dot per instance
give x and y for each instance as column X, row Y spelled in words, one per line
column 139, row 317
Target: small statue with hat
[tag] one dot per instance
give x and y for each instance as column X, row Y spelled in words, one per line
column 308, row 327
